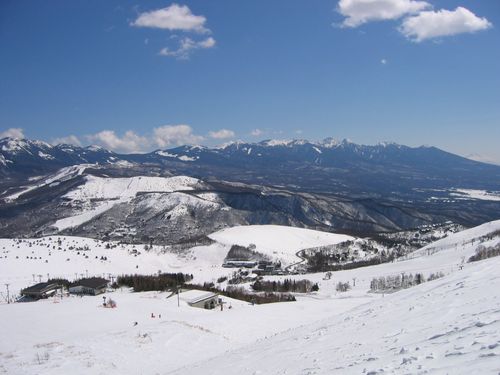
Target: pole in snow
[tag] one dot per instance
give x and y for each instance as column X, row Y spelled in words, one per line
column 8, row 296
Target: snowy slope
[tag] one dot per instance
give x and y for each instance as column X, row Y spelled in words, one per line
column 461, row 239
column 22, row 261
column 277, row 241
column 450, row 325
column 128, row 187
column 63, row 174
column 99, row 194
column 65, row 256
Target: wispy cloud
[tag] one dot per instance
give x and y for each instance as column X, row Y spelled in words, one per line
column 257, row 132
column 186, row 46
column 222, row 134
column 12, row 133
column 436, row 24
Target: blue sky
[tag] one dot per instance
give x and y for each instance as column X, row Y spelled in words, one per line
column 135, row 76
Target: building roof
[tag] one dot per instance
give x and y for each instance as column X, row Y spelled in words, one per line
column 40, row 288
column 92, row 282
column 195, row 296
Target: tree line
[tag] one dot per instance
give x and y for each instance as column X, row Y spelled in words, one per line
column 483, row 252
column 321, row 262
column 144, row 283
column 242, row 294
column 288, row 285
column 398, row 282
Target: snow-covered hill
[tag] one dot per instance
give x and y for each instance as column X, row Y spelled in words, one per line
column 126, row 188
column 278, row 242
column 99, row 194
column 449, row 325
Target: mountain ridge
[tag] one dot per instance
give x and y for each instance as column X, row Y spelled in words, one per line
column 342, row 186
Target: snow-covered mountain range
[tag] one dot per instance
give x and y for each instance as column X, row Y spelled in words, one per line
column 329, row 165
column 328, row 185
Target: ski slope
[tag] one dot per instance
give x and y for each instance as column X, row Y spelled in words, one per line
column 99, row 194
column 279, row 242
column 449, row 325
column 128, row 187
column 25, row 262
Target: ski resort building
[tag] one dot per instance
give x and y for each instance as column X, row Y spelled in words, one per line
column 239, row 263
column 201, row 299
column 40, row 290
column 91, row 286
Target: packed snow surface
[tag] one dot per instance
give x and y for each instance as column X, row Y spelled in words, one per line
column 449, row 325
column 277, row 241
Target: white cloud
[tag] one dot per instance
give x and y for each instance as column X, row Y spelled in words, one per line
column 257, row 132
column 358, row 12
column 129, row 142
column 186, row 46
column 221, row 134
column 173, row 17
column 207, row 43
column 163, row 136
column 12, row 133
column 168, row 135
column 435, row 24
column 69, row 140
column 383, row 61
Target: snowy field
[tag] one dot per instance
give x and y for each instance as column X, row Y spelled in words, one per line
column 449, row 325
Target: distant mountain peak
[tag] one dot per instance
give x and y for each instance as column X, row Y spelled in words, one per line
column 96, row 148
column 275, row 142
column 329, row 142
